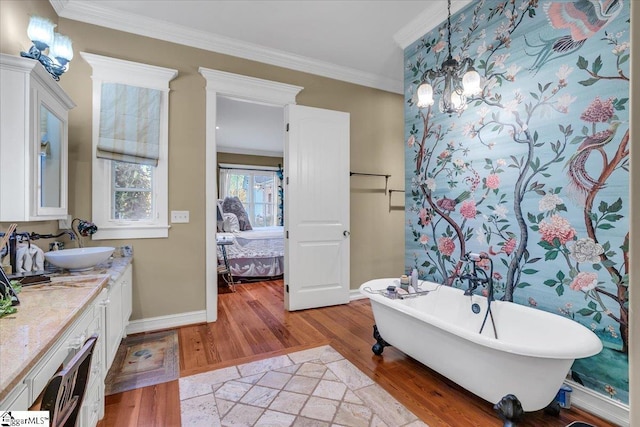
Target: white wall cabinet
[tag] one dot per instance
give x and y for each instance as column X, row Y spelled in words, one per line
column 33, row 142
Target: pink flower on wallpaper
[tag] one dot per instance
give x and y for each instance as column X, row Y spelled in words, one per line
column 468, row 209
column 424, row 239
column 439, row 46
column 446, row 246
column 584, row 281
column 444, row 154
column 509, row 246
column 497, row 275
column 424, row 217
column 492, row 181
column 411, row 141
column 558, row 228
column 446, row 204
column 598, row 111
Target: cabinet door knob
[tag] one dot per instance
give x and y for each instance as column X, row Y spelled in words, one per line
column 78, row 342
column 346, row 233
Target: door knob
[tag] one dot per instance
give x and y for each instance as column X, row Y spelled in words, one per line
column 345, row 233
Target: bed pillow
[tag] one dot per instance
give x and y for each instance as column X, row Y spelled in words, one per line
column 234, row 205
column 231, row 223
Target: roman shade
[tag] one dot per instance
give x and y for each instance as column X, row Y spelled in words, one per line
column 129, row 124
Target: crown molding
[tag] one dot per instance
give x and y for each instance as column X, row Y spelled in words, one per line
column 93, row 13
column 431, row 17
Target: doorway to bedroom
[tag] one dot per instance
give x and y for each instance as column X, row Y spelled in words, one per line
column 250, row 158
column 316, row 163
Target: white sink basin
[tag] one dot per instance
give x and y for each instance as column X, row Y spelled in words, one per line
column 80, row 258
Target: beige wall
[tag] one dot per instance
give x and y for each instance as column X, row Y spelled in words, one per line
column 169, row 274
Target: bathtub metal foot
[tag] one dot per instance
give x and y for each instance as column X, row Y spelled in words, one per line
column 553, row 409
column 380, row 344
column 509, row 410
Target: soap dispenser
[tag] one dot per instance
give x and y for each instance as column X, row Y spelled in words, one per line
column 414, row 279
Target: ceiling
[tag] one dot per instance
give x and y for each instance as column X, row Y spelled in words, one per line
column 357, row 41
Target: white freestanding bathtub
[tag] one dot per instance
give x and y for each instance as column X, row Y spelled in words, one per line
column 530, row 358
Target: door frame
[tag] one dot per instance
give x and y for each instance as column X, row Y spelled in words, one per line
column 235, row 86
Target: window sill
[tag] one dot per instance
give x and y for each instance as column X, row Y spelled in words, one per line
column 131, row 232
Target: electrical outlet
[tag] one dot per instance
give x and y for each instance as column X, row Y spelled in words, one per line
column 65, row 224
column 179, row 217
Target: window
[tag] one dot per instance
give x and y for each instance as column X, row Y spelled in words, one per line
column 131, row 189
column 130, row 148
column 258, row 190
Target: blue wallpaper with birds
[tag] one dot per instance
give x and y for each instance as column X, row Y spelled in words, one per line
column 535, row 171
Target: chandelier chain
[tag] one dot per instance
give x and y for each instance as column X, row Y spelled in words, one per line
column 449, row 26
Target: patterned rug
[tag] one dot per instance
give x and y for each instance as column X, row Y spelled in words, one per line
column 315, row 387
column 143, row 360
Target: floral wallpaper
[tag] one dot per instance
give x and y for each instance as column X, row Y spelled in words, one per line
column 535, row 172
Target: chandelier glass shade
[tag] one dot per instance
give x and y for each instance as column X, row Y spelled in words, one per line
column 456, row 89
column 60, row 50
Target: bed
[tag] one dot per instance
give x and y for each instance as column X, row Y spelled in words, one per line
column 254, row 253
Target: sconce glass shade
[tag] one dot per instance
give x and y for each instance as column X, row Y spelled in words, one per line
column 40, row 32
column 59, row 47
column 471, row 82
column 425, row 95
column 62, row 49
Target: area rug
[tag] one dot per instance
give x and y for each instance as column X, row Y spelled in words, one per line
column 315, row 387
column 144, row 360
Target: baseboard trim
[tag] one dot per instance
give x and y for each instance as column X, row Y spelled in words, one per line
column 166, row 322
column 599, row 404
column 355, row 294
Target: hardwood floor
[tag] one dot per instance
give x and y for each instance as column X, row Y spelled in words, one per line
column 253, row 325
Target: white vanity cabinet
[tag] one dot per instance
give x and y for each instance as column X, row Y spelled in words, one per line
column 118, row 310
column 69, row 338
column 33, row 142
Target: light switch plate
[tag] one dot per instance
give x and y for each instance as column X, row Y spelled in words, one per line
column 179, row 217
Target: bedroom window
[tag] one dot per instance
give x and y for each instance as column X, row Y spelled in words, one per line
column 130, row 148
column 257, row 189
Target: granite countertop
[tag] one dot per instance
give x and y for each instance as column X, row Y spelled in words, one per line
column 44, row 313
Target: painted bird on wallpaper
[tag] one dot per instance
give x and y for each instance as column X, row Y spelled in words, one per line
column 580, row 182
column 582, row 18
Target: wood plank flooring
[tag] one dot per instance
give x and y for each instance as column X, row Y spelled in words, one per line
column 253, row 325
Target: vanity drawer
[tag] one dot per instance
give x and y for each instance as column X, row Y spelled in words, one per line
column 17, row 400
column 61, row 352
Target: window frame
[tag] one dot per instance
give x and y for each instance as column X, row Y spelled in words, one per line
column 256, row 170
column 112, row 70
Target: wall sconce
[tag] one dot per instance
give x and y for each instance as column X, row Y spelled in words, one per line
column 456, row 88
column 40, row 32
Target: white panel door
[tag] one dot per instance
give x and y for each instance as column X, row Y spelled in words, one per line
column 316, row 208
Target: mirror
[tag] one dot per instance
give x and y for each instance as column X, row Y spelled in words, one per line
column 51, row 133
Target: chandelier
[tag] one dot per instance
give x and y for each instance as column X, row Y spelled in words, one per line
column 456, row 89
column 40, row 31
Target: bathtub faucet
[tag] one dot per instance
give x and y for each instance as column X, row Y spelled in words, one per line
column 478, row 276
column 474, row 281
column 486, row 280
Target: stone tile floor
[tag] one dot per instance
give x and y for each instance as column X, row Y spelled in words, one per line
column 315, row 387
